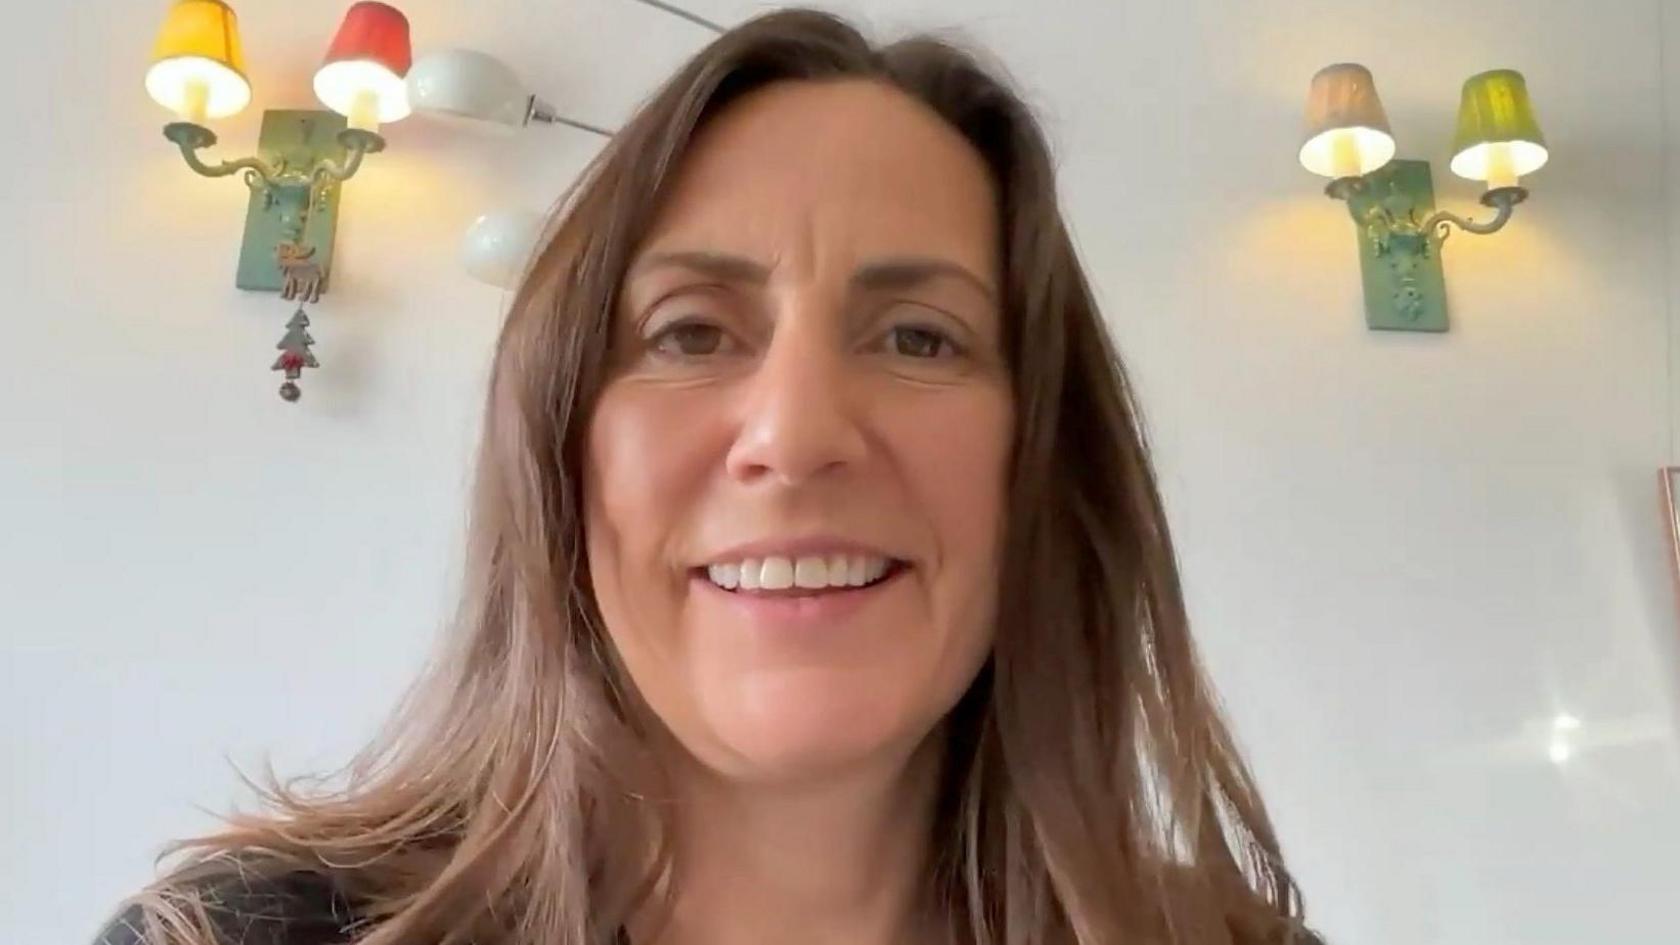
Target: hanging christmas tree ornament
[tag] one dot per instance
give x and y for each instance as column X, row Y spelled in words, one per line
column 294, row 355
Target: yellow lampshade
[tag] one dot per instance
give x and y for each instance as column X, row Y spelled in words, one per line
column 1346, row 129
column 1498, row 139
column 198, row 69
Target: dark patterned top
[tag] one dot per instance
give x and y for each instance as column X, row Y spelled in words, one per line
column 299, row 908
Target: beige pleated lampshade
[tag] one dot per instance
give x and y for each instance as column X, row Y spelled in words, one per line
column 1347, row 131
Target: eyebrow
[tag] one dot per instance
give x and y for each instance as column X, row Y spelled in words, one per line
column 893, row 272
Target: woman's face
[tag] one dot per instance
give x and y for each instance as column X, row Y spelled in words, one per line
column 795, row 478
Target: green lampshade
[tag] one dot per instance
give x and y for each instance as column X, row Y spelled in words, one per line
column 1498, row 139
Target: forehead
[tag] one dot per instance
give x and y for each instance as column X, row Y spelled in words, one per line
column 813, row 172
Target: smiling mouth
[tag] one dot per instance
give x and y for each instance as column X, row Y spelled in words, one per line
column 802, row 575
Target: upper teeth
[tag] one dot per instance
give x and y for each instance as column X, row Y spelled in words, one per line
column 808, row 571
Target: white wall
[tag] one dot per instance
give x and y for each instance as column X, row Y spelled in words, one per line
column 1405, row 555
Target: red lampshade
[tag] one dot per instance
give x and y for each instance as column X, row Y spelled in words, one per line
column 373, row 31
column 362, row 76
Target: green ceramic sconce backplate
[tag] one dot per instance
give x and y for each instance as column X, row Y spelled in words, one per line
column 1399, row 262
column 295, row 211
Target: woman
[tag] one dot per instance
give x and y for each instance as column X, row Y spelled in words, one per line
column 819, row 586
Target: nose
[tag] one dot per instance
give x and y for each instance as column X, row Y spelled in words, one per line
column 798, row 418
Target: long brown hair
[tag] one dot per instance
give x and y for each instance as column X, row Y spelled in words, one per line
column 1091, row 793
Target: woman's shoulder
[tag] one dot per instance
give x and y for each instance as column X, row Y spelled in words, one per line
column 249, row 906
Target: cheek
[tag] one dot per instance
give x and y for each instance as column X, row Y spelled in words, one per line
column 955, row 458
column 952, row 451
column 646, row 463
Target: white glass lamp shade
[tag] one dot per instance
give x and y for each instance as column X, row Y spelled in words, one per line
column 469, row 86
column 499, row 244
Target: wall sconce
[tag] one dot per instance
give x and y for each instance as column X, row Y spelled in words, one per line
column 198, row 72
column 368, row 78
column 1393, row 201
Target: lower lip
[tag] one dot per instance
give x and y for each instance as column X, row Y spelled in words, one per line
column 813, row 608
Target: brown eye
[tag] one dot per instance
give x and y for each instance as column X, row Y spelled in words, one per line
column 913, row 341
column 689, row 339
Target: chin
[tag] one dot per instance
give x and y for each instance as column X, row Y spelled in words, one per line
column 798, row 726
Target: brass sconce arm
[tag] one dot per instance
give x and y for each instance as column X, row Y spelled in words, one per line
column 191, row 138
column 1503, row 199
column 302, row 158
column 1381, row 219
column 1401, row 236
column 260, row 175
column 358, row 143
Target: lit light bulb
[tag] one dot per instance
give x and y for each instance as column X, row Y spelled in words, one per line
column 364, row 111
column 1501, row 165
